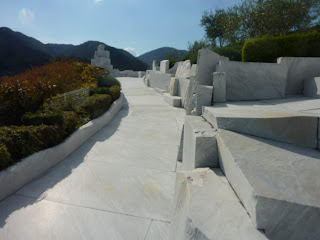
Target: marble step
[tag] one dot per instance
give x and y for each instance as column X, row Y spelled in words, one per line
column 277, row 183
column 206, row 208
column 174, row 101
column 267, row 122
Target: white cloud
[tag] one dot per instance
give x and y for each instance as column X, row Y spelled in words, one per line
column 132, row 51
column 97, row 1
column 26, row 16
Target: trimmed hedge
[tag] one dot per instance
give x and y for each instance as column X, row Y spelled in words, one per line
column 268, row 49
column 43, row 117
column 82, row 115
column 108, row 81
column 232, row 53
column 5, row 157
column 97, row 104
column 22, row 141
column 18, row 142
column 99, row 90
column 70, row 122
column 115, row 92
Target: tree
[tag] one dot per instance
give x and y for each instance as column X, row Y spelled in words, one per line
column 220, row 26
column 256, row 18
column 276, row 17
column 193, row 48
column 173, row 57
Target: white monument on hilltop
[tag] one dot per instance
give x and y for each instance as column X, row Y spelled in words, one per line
column 102, row 58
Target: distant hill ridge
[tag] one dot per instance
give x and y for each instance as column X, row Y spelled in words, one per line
column 19, row 52
column 159, row 54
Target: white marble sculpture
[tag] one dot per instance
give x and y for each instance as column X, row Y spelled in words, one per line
column 102, row 58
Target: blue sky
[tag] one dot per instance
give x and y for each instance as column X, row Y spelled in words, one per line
column 137, row 25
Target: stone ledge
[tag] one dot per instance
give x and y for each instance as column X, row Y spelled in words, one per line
column 16, row 176
column 174, row 101
column 265, row 121
column 160, row 91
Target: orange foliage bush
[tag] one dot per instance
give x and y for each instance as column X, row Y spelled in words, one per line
column 27, row 91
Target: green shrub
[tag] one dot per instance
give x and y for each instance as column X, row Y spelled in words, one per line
column 192, row 56
column 99, row 90
column 42, row 117
column 268, row 49
column 3, row 115
column 232, row 53
column 82, row 115
column 70, row 121
column 96, row 105
column 115, row 92
column 22, row 141
column 18, row 142
column 108, row 81
column 5, row 157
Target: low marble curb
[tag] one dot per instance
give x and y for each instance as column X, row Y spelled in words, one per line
column 16, row 176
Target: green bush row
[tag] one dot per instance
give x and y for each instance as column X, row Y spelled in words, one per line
column 5, row 157
column 18, row 142
column 115, row 92
column 108, row 81
column 268, row 49
column 234, row 54
column 96, row 105
column 99, row 90
column 42, row 117
column 68, row 120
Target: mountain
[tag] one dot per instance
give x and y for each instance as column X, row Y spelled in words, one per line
column 159, row 54
column 19, row 52
column 120, row 59
column 57, row 50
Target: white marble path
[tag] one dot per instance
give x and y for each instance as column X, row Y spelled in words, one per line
column 118, row 185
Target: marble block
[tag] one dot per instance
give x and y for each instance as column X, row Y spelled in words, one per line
column 219, row 87
column 254, row 81
column 164, row 66
column 203, row 98
column 312, row 87
column 199, row 144
column 300, row 69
